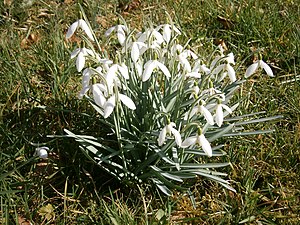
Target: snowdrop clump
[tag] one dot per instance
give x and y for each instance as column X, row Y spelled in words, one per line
column 164, row 103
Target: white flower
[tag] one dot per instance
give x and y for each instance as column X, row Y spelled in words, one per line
column 150, row 66
column 200, row 68
column 98, row 94
column 120, row 30
column 200, row 108
column 83, row 25
column 219, row 117
column 81, row 53
column 169, row 130
column 167, row 31
column 200, row 140
column 258, row 64
column 110, row 104
column 227, row 69
column 146, row 37
column 230, row 72
column 42, row 152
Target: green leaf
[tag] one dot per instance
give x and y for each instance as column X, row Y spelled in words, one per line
column 166, row 174
column 258, row 120
column 248, row 133
column 205, row 165
column 220, row 133
column 175, row 157
column 162, row 187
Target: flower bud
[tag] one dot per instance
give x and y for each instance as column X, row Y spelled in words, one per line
column 42, row 152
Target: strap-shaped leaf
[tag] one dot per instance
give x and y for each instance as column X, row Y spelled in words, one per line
column 248, row 133
column 204, row 165
column 175, row 157
column 258, row 120
column 166, row 174
column 220, row 133
column 162, row 187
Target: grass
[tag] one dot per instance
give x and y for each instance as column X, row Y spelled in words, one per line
column 68, row 189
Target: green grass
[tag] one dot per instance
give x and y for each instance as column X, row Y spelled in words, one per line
column 68, row 189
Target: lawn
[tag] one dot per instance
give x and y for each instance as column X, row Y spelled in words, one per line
column 38, row 97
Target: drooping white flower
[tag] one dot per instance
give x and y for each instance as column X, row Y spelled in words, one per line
column 98, row 94
column 258, row 64
column 169, row 130
column 200, row 140
column 151, row 36
column 81, row 53
column 86, row 76
column 150, row 66
column 83, row 25
column 110, row 104
column 219, row 117
column 167, row 31
column 202, row 68
column 201, row 109
column 42, row 152
column 121, row 33
column 225, row 68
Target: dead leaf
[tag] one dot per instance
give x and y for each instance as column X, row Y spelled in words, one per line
column 7, row 2
column 23, row 221
column 125, row 6
column 28, row 41
column 227, row 23
column 221, row 42
column 47, row 212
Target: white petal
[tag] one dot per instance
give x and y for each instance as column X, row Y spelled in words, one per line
column 167, row 33
column 72, row 29
column 86, row 77
column 207, row 115
column 219, row 115
column 230, row 58
column 205, row 145
column 139, row 69
column 231, row 73
column 148, row 70
column 124, row 71
column 162, row 136
column 83, row 91
column 80, row 61
column 135, row 52
column 226, row 108
column 86, row 29
column 176, row 30
column 109, row 31
column 185, row 63
column 98, row 95
column 267, row 68
column 109, row 106
column 204, row 69
column 177, row 136
column 42, row 152
column 88, row 52
column 127, row 101
column 251, row 69
column 121, row 36
column 189, row 141
column 164, row 69
column 158, row 36
column 218, row 69
column 193, row 75
column 194, row 56
column 111, row 74
column 75, row 53
column 193, row 112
